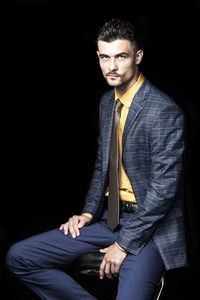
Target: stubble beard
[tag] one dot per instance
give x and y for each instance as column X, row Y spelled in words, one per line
column 114, row 83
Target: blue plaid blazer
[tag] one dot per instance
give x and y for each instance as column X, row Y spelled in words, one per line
column 152, row 157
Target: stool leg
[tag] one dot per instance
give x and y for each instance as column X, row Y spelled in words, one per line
column 161, row 285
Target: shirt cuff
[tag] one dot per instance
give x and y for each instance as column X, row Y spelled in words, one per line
column 87, row 215
column 122, row 249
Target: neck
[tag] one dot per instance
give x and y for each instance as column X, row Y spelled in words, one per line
column 125, row 87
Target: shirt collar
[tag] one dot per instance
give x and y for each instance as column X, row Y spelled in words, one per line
column 127, row 97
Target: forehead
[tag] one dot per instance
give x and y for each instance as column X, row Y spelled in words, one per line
column 115, row 47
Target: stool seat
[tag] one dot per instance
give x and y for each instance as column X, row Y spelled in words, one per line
column 89, row 263
column 86, row 271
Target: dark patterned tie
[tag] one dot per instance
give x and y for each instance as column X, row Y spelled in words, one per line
column 113, row 197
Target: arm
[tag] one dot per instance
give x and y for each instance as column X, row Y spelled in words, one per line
column 166, row 141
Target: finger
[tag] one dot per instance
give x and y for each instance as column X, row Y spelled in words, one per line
column 107, row 271
column 76, row 229
column 114, row 269
column 61, row 226
column 101, row 270
column 66, row 227
column 73, row 227
column 71, row 230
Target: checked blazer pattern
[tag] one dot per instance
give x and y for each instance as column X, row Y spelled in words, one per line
column 152, row 157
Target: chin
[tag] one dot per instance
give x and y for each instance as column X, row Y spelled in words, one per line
column 113, row 83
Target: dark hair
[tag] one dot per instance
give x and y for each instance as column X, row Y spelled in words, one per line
column 119, row 29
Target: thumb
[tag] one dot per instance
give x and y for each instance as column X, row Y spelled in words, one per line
column 81, row 224
column 103, row 250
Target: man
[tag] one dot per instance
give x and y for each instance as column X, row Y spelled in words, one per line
column 133, row 210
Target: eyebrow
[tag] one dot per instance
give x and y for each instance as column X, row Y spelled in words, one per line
column 118, row 54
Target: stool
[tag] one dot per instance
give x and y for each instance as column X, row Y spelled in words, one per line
column 86, row 272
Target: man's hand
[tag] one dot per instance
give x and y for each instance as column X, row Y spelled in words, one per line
column 112, row 261
column 74, row 224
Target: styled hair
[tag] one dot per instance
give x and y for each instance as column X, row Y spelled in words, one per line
column 115, row 29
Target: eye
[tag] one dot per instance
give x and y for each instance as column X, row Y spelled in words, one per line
column 122, row 56
column 104, row 57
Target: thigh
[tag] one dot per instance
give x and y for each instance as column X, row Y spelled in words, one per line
column 140, row 274
column 54, row 248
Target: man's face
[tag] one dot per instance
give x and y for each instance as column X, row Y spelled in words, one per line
column 118, row 62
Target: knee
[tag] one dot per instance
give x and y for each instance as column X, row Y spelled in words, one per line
column 14, row 257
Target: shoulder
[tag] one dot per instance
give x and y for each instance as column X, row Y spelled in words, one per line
column 159, row 100
column 107, row 101
column 108, row 97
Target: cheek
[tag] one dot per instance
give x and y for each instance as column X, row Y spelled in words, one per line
column 103, row 67
column 127, row 70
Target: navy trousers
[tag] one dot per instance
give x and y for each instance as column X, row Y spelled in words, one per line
column 38, row 261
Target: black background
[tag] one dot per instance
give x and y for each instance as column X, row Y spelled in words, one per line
column 51, row 88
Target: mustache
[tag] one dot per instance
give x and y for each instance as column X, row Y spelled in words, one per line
column 112, row 73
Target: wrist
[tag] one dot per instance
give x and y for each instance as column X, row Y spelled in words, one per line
column 87, row 215
column 121, row 248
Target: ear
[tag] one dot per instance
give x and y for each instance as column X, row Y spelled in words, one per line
column 139, row 56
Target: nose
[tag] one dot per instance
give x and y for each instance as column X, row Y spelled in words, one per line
column 113, row 65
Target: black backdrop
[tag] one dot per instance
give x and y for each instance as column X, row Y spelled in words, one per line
column 51, row 88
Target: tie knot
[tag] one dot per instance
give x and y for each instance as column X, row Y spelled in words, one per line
column 118, row 106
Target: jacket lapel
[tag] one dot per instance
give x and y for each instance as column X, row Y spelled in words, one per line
column 135, row 108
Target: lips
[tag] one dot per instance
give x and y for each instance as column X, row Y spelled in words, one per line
column 112, row 75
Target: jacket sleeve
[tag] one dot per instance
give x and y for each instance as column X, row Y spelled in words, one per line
column 166, row 144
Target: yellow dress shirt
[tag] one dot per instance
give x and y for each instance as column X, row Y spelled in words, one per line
column 125, row 189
